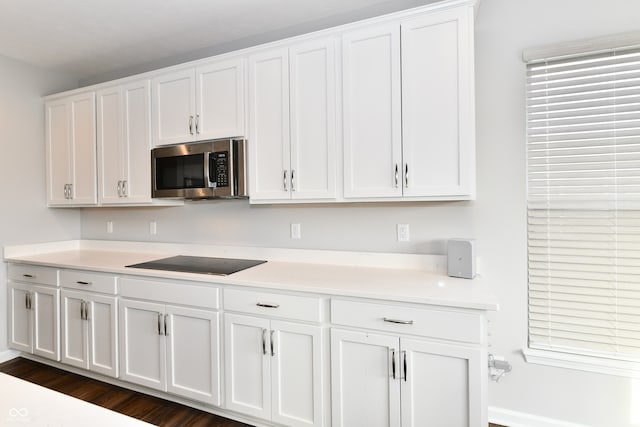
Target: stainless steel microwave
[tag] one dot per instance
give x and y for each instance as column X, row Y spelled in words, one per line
column 201, row 170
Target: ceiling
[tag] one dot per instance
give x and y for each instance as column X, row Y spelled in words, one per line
column 105, row 39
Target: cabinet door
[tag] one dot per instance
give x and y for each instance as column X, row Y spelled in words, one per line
column 372, row 116
column 110, row 148
column 220, row 100
column 269, row 125
column 20, row 329
column 193, row 360
column 83, row 155
column 296, row 374
column 248, row 360
column 136, row 98
column 364, row 390
column 58, row 151
column 437, row 104
column 46, row 315
column 75, row 348
column 173, row 97
column 102, row 322
column 142, row 344
column 313, row 120
column 444, row 385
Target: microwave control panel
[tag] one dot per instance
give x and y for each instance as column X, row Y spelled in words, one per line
column 220, row 162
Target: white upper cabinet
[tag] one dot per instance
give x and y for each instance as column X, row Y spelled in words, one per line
column 124, row 144
column 220, row 100
column 372, row 116
column 375, row 111
column 312, row 90
column 269, row 125
column 292, row 129
column 199, row 104
column 409, row 109
column 71, row 151
column 437, row 105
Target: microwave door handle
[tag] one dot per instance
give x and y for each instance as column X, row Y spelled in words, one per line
column 209, row 170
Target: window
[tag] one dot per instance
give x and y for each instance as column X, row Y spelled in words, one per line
column 583, row 153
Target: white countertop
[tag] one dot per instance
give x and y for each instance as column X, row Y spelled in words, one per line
column 389, row 277
column 25, row 403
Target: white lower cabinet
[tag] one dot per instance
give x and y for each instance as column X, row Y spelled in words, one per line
column 89, row 331
column 170, row 348
column 33, row 301
column 275, row 363
column 274, row 369
column 395, row 379
column 408, row 382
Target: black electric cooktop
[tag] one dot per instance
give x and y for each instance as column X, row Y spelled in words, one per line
column 199, row 264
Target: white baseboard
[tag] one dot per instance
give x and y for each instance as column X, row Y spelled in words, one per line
column 8, row 355
column 510, row 418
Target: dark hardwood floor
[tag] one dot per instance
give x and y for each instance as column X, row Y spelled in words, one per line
column 137, row 405
column 134, row 404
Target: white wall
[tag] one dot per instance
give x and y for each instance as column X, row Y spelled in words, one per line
column 497, row 219
column 24, row 216
column 503, row 29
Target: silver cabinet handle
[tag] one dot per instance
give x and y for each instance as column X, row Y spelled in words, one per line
column 406, row 175
column 29, row 276
column 119, row 187
column 81, row 282
column 267, row 305
column 125, row 193
column 66, row 191
column 84, row 310
column 393, row 363
column 166, row 319
column 264, row 341
column 284, row 180
column 404, row 365
column 26, row 300
column 70, row 191
column 399, row 322
column 273, row 351
column 396, row 176
column 159, row 323
column 191, row 125
column 293, row 181
column 197, row 123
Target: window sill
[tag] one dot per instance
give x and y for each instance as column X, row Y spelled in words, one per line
column 599, row 365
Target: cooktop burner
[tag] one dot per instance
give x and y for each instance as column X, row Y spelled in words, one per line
column 199, row 264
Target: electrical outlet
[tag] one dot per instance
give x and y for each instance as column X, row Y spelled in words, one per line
column 403, row 232
column 153, row 228
column 296, row 231
column 109, row 227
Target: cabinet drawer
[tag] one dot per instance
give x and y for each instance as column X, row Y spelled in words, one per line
column 179, row 293
column 33, row 274
column 274, row 305
column 433, row 323
column 88, row 281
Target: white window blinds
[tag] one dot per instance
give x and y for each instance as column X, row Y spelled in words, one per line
column 583, row 152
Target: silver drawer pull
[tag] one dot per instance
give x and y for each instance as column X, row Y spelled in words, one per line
column 80, row 282
column 29, row 276
column 267, row 305
column 399, row 322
